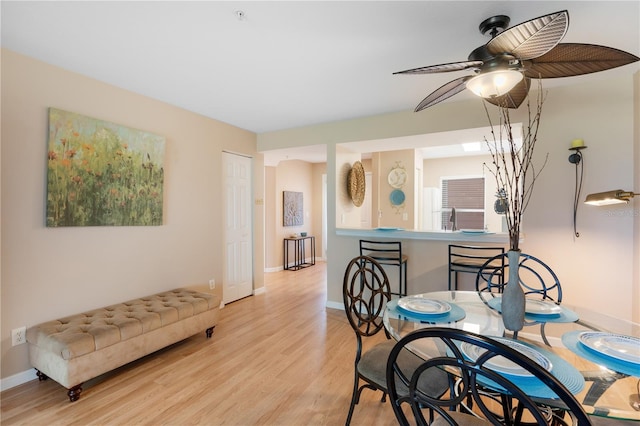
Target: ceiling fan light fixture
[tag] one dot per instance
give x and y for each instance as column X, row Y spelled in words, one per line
column 494, row 83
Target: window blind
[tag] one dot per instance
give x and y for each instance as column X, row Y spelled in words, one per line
column 467, row 196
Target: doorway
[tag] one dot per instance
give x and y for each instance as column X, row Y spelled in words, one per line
column 238, row 238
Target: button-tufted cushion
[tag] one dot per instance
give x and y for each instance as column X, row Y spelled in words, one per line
column 81, row 334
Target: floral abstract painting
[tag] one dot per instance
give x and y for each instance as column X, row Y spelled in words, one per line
column 102, row 174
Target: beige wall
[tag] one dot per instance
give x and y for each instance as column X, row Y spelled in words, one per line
column 297, row 176
column 319, row 170
column 48, row 273
column 600, row 112
column 402, row 216
column 273, row 246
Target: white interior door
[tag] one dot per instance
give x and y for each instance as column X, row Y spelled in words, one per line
column 238, row 260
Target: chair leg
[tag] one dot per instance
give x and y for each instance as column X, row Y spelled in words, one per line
column 453, row 284
column 354, row 399
column 544, row 335
column 406, row 273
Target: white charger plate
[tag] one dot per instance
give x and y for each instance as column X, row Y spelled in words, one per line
column 542, row 307
column 422, row 305
column 618, row 346
column 503, row 365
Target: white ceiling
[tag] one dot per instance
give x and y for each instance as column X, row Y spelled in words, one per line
column 287, row 64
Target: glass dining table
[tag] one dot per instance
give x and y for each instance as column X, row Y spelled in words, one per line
column 597, row 357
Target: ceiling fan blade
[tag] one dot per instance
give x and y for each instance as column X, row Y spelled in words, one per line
column 514, row 98
column 570, row 59
column 532, row 38
column 453, row 66
column 444, row 92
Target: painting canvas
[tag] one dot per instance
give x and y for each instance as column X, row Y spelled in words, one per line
column 292, row 208
column 102, row 174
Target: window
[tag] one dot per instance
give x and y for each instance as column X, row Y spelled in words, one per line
column 466, row 194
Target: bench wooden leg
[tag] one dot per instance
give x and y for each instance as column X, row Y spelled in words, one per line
column 74, row 392
column 210, row 332
column 41, row 375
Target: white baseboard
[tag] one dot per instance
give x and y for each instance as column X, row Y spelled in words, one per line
column 18, row 379
column 259, row 290
column 335, row 305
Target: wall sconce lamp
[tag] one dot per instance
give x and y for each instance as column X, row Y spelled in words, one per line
column 576, row 158
column 610, row 197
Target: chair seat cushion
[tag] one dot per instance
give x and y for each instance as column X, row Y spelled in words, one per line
column 474, row 263
column 373, row 365
column 386, row 257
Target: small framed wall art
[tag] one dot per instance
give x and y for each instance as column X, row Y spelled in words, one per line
column 292, row 208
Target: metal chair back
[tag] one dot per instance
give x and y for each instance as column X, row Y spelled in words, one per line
column 388, row 253
column 536, row 277
column 470, row 378
column 470, row 259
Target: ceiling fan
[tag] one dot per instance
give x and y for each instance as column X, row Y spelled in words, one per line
column 504, row 66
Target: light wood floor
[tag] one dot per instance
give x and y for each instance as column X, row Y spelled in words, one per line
column 279, row 358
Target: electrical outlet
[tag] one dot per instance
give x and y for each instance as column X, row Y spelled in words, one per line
column 18, row 336
column 212, row 284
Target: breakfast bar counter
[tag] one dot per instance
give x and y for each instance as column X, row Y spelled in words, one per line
column 410, row 234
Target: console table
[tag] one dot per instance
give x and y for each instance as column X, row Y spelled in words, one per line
column 299, row 252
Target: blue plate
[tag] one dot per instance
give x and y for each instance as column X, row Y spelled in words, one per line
column 563, row 315
column 561, row 369
column 571, row 340
column 455, row 314
column 397, row 197
column 476, row 232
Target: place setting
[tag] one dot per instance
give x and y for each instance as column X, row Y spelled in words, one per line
column 537, row 310
column 551, row 362
column 425, row 309
column 476, row 231
column 616, row 352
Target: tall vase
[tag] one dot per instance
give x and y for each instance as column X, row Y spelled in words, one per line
column 513, row 302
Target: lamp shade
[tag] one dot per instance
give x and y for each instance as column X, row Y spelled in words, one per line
column 610, row 197
column 494, row 83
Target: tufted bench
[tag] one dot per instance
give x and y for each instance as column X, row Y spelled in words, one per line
column 77, row 348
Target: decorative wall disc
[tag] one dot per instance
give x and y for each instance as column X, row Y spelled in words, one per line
column 397, row 197
column 356, row 184
column 397, row 177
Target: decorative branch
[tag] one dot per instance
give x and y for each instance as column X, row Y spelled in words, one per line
column 513, row 167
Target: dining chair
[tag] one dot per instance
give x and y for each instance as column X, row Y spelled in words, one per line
column 388, row 253
column 469, row 360
column 536, row 278
column 365, row 293
column 469, row 259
